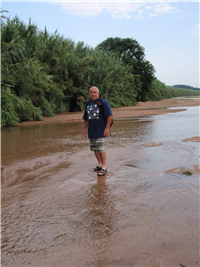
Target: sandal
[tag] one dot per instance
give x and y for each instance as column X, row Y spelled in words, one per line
column 102, row 172
column 96, row 169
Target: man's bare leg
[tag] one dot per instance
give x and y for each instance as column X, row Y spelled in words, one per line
column 98, row 157
column 103, row 159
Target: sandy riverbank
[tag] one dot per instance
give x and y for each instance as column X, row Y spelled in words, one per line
column 142, row 109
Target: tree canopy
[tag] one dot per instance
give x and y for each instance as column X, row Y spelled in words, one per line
column 131, row 53
column 186, row 86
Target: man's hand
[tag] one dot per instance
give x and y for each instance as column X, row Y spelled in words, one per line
column 85, row 128
column 85, row 132
column 106, row 132
column 107, row 129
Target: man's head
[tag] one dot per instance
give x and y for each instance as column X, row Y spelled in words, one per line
column 94, row 93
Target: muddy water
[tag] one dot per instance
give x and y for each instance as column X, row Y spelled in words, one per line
column 144, row 212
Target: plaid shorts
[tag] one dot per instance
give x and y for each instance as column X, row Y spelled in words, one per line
column 97, row 144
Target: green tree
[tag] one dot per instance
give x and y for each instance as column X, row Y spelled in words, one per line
column 2, row 16
column 132, row 54
column 23, row 80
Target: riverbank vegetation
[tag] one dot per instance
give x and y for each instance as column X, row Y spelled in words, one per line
column 45, row 74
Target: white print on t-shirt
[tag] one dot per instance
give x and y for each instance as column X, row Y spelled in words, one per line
column 93, row 112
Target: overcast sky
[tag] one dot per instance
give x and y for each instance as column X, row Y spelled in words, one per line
column 168, row 31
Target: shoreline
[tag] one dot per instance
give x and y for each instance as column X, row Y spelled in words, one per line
column 141, row 109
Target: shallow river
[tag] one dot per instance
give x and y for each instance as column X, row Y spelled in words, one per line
column 144, row 212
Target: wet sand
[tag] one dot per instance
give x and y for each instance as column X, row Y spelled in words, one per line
column 144, row 212
column 142, row 109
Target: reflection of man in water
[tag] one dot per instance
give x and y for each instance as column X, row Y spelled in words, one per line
column 101, row 213
column 97, row 121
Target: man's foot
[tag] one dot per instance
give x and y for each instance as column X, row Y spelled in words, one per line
column 96, row 169
column 102, row 172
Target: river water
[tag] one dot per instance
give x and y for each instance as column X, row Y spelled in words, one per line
column 144, row 212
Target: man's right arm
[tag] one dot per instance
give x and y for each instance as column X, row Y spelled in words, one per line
column 85, row 128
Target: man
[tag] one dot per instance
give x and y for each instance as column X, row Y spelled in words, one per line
column 98, row 117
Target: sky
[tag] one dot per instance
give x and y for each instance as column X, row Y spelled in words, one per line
column 168, row 30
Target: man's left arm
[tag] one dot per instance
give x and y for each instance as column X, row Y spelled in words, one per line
column 107, row 129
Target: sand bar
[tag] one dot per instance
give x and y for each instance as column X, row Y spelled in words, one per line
column 141, row 109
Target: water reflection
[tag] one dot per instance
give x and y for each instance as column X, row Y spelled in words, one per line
column 130, row 130
column 101, row 214
column 160, row 128
column 173, row 126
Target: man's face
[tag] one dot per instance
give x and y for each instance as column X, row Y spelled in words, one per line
column 94, row 94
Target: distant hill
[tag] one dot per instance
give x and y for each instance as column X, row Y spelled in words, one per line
column 185, row 86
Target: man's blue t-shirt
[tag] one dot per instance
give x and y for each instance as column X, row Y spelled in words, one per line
column 97, row 118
